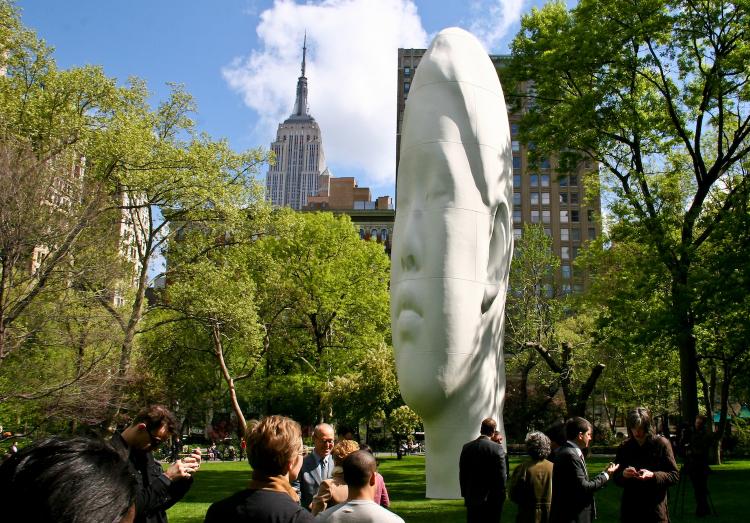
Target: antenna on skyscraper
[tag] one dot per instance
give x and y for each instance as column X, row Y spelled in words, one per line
column 304, row 52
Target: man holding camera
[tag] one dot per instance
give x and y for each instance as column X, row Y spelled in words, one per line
column 157, row 490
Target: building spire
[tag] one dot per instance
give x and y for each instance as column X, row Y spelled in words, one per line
column 300, row 104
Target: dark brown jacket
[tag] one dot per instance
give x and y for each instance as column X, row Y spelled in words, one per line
column 646, row 500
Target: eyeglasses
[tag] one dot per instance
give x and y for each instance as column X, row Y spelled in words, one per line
column 155, row 440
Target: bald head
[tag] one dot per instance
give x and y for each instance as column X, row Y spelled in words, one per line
column 323, row 439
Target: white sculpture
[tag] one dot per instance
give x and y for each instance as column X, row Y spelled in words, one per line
column 452, row 250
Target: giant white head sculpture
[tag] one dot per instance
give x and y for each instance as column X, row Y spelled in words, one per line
column 452, row 250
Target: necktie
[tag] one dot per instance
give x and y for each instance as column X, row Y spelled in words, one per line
column 323, row 468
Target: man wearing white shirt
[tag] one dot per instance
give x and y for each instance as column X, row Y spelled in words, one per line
column 572, row 490
column 359, row 474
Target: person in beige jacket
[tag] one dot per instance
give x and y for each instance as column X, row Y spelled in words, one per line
column 531, row 482
column 334, row 491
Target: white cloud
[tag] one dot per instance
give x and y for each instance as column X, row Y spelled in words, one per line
column 351, row 71
column 491, row 20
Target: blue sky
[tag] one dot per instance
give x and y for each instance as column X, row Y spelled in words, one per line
column 240, row 60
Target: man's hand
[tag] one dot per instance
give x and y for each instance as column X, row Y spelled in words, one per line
column 611, row 468
column 645, row 474
column 183, row 468
column 630, row 472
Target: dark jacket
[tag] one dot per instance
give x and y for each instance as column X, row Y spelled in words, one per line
column 258, row 506
column 646, row 500
column 155, row 492
column 482, row 472
column 572, row 490
column 531, row 490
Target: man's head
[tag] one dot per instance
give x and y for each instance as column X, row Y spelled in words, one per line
column 556, row 434
column 578, row 429
column 152, row 426
column 700, row 422
column 359, row 469
column 323, row 439
column 638, row 423
column 81, row 479
column 274, row 447
column 488, row 426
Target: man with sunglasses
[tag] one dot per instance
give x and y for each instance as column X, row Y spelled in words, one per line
column 157, row 490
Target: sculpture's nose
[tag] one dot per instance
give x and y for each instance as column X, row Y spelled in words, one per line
column 409, row 255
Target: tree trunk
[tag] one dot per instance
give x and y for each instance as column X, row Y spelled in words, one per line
column 686, row 345
column 219, row 352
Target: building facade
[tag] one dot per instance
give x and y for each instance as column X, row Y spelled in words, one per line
column 296, row 173
column 541, row 194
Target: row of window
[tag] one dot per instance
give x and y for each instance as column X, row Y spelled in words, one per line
column 543, row 180
column 374, row 235
column 566, row 234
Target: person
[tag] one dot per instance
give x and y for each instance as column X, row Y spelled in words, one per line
column 318, row 465
column 647, row 470
column 696, row 463
column 572, row 490
column 334, row 490
column 79, row 480
column 157, row 489
column 359, row 474
column 497, row 437
column 275, row 452
column 531, row 482
column 557, row 439
column 381, row 491
column 452, row 249
column 481, row 470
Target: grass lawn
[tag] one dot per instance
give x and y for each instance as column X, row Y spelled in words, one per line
column 405, row 480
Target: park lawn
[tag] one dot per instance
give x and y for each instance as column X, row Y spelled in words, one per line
column 405, row 480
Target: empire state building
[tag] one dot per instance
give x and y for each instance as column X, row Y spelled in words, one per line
column 300, row 161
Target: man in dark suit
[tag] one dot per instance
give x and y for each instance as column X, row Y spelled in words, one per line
column 482, row 476
column 572, row 490
column 318, row 465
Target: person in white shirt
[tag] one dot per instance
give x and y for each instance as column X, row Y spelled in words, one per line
column 359, row 474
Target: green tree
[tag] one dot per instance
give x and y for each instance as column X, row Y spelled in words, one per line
column 325, row 296
column 657, row 93
column 403, row 422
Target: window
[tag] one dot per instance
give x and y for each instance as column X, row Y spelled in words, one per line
column 563, row 181
column 516, row 145
column 517, row 233
column 574, row 198
column 564, row 235
column 575, row 235
column 534, row 198
column 516, row 180
column 361, row 233
column 544, row 163
column 374, row 234
column 534, row 180
column 517, row 216
column 545, row 216
column 565, row 271
column 406, row 87
column 564, row 198
column 565, row 253
column 545, row 180
column 516, row 162
column 534, row 216
column 566, row 289
column 513, row 129
column 563, row 216
column 577, row 288
column 574, row 216
column 592, row 233
column 573, row 179
column 407, row 71
column 384, row 234
column 590, row 215
column 516, row 198
column 574, row 252
column 545, row 198
column 548, row 232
